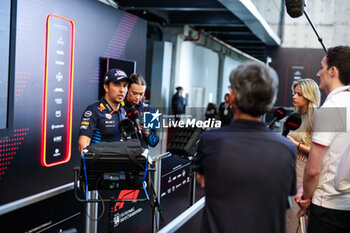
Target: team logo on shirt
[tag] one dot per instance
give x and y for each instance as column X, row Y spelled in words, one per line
column 88, row 113
column 83, row 127
column 102, row 107
column 108, row 116
column 110, row 124
column 151, row 120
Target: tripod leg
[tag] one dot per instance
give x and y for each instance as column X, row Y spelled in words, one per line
column 192, row 186
column 154, row 204
column 91, row 213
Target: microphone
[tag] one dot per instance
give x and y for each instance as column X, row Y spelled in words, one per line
column 133, row 115
column 295, row 8
column 293, row 122
column 126, row 128
column 279, row 114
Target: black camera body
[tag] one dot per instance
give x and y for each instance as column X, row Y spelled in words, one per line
column 113, row 166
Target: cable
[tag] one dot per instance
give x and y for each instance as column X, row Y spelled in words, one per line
column 144, row 177
column 86, row 180
column 102, row 213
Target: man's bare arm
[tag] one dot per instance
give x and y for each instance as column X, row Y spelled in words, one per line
column 84, row 141
column 313, row 169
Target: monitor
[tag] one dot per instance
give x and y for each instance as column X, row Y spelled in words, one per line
column 107, row 63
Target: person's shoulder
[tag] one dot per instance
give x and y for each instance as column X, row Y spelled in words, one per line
column 94, row 106
column 125, row 105
column 145, row 105
column 217, row 132
column 124, row 102
column 283, row 142
column 148, row 107
column 123, row 110
column 91, row 110
column 341, row 98
column 98, row 107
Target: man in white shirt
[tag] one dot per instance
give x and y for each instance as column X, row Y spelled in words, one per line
column 330, row 207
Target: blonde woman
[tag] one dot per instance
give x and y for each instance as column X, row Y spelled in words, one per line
column 306, row 98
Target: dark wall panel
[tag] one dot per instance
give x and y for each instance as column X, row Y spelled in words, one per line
column 100, row 31
column 49, row 215
column 292, row 64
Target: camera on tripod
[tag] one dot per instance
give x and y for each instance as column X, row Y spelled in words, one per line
column 113, row 165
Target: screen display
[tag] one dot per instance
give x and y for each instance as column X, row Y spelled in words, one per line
column 127, row 66
column 108, row 63
column 58, row 86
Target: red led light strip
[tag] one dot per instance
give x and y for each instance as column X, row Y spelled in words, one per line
column 70, row 97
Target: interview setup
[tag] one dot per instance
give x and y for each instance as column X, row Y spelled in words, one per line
column 125, row 165
column 109, row 118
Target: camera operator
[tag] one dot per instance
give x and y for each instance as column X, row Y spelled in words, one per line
column 133, row 100
column 100, row 120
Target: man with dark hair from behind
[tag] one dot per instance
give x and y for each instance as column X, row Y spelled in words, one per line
column 330, row 193
column 247, row 170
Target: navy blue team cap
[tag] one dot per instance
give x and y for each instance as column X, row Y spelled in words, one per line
column 116, row 75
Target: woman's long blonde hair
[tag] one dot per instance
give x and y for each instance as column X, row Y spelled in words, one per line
column 311, row 92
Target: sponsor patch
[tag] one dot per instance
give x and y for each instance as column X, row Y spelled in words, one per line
column 88, row 113
column 108, row 116
column 110, row 122
column 85, row 123
column 120, row 73
column 102, row 107
column 83, row 127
